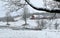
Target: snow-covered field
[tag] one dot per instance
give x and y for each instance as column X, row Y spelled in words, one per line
column 8, row 33
column 45, row 33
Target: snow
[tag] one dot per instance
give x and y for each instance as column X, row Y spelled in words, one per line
column 8, row 33
column 45, row 33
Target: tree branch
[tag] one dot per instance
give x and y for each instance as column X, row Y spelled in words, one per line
column 44, row 9
column 57, row 0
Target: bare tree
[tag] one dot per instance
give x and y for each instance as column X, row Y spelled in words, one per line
column 26, row 14
column 14, row 5
column 56, row 25
column 7, row 16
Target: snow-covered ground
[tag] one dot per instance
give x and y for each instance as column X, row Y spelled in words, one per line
column 33, row 23
column 45, row 33
column 8, row 33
